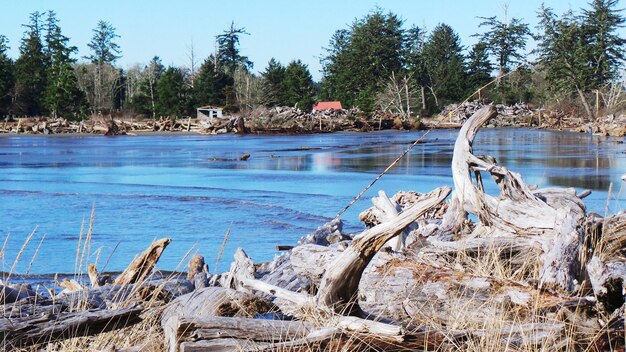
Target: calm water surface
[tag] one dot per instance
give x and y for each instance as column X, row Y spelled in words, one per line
column 192, row 189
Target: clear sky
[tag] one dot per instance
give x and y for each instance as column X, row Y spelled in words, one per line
column 284, row 29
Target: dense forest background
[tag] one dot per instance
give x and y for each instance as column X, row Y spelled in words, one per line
column 376, row 63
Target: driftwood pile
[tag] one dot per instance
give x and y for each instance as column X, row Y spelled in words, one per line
column 445, row 270
column 461, row 112
column 292, row 120
column 97, row 124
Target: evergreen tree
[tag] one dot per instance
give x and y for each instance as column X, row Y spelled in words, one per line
column 361, row 58
column 228, row 55
column 445, row 66
column 298, row 87
column 172, row 93
column 273, row 78
column 415, row 60
column 6, row 77
column 30, row 70
column 145, row 98
column 505, row 40
column 606, row 47
column 478, row 68
column 573, row 50
column 61, row 95
column 210, row 85
column 104, row 49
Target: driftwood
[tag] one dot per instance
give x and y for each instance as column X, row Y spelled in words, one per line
column 553, row 216
column 141, row 266
column 35, row 330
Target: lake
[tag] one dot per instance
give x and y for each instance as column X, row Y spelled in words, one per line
column 193, row 188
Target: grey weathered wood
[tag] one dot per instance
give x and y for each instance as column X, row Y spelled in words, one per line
column 182, row 329
column 22, row 332
column 340, row 282
column 204, row 304
column 552, row 214
column 141, row 266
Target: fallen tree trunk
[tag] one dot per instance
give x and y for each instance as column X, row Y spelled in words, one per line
column 23, row 332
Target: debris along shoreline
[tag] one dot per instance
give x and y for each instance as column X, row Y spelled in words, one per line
column 534, row 271
column 286, row 120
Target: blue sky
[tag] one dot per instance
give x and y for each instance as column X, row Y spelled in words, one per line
column 282, row 29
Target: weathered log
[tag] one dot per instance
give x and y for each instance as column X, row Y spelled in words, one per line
column 205, row 304
column 340, row 282
column 10, row 294
column 554, row 215
column 23, row 332
column 141, row 266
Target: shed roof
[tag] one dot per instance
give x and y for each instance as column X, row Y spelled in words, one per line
column 210, row 107
column 327, row 105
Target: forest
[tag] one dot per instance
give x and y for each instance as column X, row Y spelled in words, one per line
column 410, row 71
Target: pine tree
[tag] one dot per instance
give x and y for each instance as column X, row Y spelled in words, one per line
column 361, row 58
column 298, row 86
column 415, row 61
column 505, row 40
column 61, row 95
column 210, row 85
column 575, row 53
column 172, row 93
column 6, row 77
column 228, row 55
column 30, row 70
column 104, row 49
column 445, row 65
column 478, row 68
column 600, row 25
column 273, row 78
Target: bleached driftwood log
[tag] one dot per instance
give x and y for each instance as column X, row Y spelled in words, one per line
column 553, row 215
column 339, row 284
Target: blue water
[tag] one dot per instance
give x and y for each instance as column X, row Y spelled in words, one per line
column 192, row 188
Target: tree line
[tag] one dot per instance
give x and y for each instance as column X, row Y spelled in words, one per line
column 376, row 63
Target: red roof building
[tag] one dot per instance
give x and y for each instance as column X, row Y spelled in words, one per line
column 327, row 105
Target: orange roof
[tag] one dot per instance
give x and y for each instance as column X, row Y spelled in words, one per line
column 327, row 105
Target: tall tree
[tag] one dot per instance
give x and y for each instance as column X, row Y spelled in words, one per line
column 415, row 61
column 445, row 66
column 61, row 95
column 273, row 78
column 210, row 85
column 103, row 48
column 505, row 40
column 6, row 76
column 359, row 59
column 100, row 80
column 478, row 68
column 30, row 70
column 228, row 55
column 298, row 87
column 172, row 92
column 600, row 25
column 572, row 51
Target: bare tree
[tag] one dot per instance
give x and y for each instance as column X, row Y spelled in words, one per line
column 398, row 95
column 248, row 89
column 100, row 83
